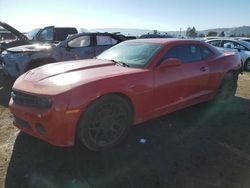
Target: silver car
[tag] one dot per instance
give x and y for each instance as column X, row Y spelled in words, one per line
column 241, row 47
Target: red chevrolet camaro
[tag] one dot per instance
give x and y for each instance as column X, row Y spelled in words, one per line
column 97, row 100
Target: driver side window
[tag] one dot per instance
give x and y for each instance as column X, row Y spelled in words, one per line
column 233, row 45
column 228, row 44
column 185, row 53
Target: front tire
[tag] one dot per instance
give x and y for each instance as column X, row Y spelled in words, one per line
column 105, row 123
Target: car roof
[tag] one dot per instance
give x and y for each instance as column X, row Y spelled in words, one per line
column 90, row 33
column 243, row 38
column 167, row 41
column 229, row 39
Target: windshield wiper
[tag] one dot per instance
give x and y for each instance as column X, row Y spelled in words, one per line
column 120, row 63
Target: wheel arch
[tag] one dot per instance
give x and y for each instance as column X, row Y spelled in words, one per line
column 126, row 98
column 228, row 75
column 245, row 63
column 119, row 94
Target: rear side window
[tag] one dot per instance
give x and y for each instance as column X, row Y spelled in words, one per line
column 185, row 53
column 205, row 52
column 215, row 43
column 103, row 40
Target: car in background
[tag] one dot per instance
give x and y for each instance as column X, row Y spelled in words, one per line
column 48, row 34
column 97, row 100
column 148, row 36
column 244, row 39
column 239, row 46
column 209, row 38
column 130, row 37
column 17, row 60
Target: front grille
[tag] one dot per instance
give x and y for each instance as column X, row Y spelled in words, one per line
column 21, row 123
column 30, row 100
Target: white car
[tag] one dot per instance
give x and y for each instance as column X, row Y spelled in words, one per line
column 240, row 46
column 244, row 39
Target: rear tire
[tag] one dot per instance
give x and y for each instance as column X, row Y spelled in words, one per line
column 105, row 123
column 227, row 88
column 247, row 65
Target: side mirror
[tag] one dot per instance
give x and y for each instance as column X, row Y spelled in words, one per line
column 67, row 47
column 171, row 62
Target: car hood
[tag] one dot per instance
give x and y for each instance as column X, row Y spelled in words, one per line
column 59, row 77
column 17, row 33
column 30, row 48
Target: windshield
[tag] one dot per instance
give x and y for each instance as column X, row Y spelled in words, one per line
column 134, row 54
column 32, row 34
column 246, row 44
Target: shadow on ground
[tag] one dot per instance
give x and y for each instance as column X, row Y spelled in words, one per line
column 203, row 146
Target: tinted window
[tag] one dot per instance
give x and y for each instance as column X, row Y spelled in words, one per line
column 63, row 33
column 215, row 43
column 205, row 52
column 81, row 41
column 185, row 53
column 103, row 40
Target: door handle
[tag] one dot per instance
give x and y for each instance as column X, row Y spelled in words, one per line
column 204, row 68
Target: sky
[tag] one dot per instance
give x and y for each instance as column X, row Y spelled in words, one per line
column 163, row 15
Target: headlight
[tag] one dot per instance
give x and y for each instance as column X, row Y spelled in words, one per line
column 15, row 55
column 31, row 100
column 44, row 102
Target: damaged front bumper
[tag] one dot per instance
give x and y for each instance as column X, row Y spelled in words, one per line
column 14, row 64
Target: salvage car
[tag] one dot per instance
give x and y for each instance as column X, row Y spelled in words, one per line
column 17, row 60
column 239, row 46
column 97, row 100
column 48, row 34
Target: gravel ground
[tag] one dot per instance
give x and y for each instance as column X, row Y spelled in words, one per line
column 202, row 146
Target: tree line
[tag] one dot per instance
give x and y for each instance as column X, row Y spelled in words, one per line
column 192, row 33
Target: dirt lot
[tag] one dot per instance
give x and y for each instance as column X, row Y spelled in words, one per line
column 204, row 146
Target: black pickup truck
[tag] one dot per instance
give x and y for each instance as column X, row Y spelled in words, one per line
column 48, row 34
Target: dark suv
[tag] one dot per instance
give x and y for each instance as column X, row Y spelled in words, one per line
column 17, row 60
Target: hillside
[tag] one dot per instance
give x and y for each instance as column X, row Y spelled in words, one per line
column 237, row 31
column 137, row 32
